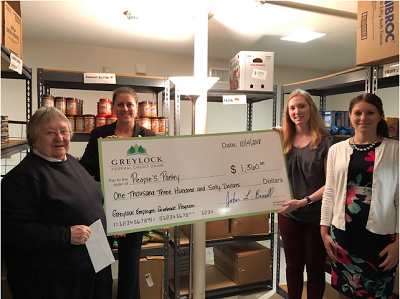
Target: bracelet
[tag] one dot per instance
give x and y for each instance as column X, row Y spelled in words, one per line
column 309, row 201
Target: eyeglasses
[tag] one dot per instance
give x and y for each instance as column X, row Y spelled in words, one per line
column 53, row 134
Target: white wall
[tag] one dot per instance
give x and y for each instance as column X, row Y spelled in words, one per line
column 220, row 118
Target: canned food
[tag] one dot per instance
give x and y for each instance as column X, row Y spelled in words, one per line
column 72, row 106
column 145, row 122
column 155, row 124
column 61, row 104
column 71, row 119
column 79, row 123
column 48, row 100
column 153, row 110
column 110, row 118
column 161, row 124
column 89, row 120
column 144, row 109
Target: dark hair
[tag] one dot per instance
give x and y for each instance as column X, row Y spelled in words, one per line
column 370, row 98
column 124, row 89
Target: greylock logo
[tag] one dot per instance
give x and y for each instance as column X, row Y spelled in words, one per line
column 136, row 155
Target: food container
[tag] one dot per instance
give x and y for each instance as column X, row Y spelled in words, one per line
column 161, row 124
column 144, row 109
column 48, row 100
column 100, row 120
column 89, row 120
column 153, row 109
column 110, row 118
column 72, row 106
column 393, row 125
column 71, row 119
column 79, row 123
column 104, row 106
column 155, row 124
column 144, row 122
column 4, row 129
column 61, row 104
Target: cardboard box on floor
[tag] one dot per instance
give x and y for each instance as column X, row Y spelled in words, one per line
column 152, row 277
column 11, row 27
column 377, row 32
column 218, row 229
column 244, row 263
column 250, row 225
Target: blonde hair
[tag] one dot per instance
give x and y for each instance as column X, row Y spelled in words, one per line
column 317, row 126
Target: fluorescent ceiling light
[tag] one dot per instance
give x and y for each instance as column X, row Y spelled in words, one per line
column 302, row 36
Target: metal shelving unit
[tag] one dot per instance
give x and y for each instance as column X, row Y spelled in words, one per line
column 59, row 79
column 359, row 79
column 215, row 95
column 16, row 146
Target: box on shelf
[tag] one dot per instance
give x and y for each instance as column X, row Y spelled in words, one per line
column 244, row 263
column 151, row 277
column 377, row 32
column 218, row 229
column 336, row 118
column 11, row 27
column 183, row 263
column 252, row 70
column 250, row 225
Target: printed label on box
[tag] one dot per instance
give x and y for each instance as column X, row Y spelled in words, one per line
column 149, row 280
column 259, row 74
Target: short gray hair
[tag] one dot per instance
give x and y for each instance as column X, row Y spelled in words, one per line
column 43, row 116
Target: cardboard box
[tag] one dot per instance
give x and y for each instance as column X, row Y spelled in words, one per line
column 218, row 229
column 183, row 262
column 252, row 70
column 11, row 27
column 377, row 32
column 244, row 263
column 152, row 277
column 250, row 225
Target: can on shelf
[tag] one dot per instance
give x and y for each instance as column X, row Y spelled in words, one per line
column 153, row 109
column 144, row 109
column 144, row 122
column 61, row 104
column 100, row 120
column 161, row 124
column 4, row 129
column 104, row 106
column 80, row 106
column 72, row 106
column 48, row 100
column 110, row 118
column 71, row 119
column 393, row 125
column 79, row 123
column 89, row 120
column 155, row 124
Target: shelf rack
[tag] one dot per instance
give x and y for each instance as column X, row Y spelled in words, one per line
column 16, row 146
column 360, row 79
column 216, row 96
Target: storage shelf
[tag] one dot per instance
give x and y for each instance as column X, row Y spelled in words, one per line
column 10, row 74
column 13, row 147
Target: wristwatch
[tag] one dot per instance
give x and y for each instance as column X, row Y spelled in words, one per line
column 309, row 201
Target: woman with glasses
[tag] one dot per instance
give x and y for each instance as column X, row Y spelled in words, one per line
column 48, row 202
column 129, row 246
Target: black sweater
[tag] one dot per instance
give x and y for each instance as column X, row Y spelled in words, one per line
column 40, row 200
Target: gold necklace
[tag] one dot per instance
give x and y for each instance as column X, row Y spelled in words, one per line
column 364, row 149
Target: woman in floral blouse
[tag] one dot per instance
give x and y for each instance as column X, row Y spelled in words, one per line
column 359, row 216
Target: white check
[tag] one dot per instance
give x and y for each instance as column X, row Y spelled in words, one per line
column 158, row 182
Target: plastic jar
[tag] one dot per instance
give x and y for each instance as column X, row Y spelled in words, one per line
column 110, row 118
column 155, row 124
column 71, row 119
column 104, row 107
column 144, row 109
column 72, row 106
column 48, row 100
column 161, row 125
column 89, row 120
column 100, row 120
column 61, row 104
column 145, row 122
column 393, row 125
column 153, row 109
column 79, row 123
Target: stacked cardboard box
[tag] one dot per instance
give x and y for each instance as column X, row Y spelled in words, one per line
column 11, row 27
column 249, row 226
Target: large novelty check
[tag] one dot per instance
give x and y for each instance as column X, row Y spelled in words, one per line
column 158, row 182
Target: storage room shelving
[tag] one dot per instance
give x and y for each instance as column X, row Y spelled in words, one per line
column 48, row 79
column 177, row 242
column 16, row 145
column 360, row 79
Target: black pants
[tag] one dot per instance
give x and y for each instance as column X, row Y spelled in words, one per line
column 129, row 248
